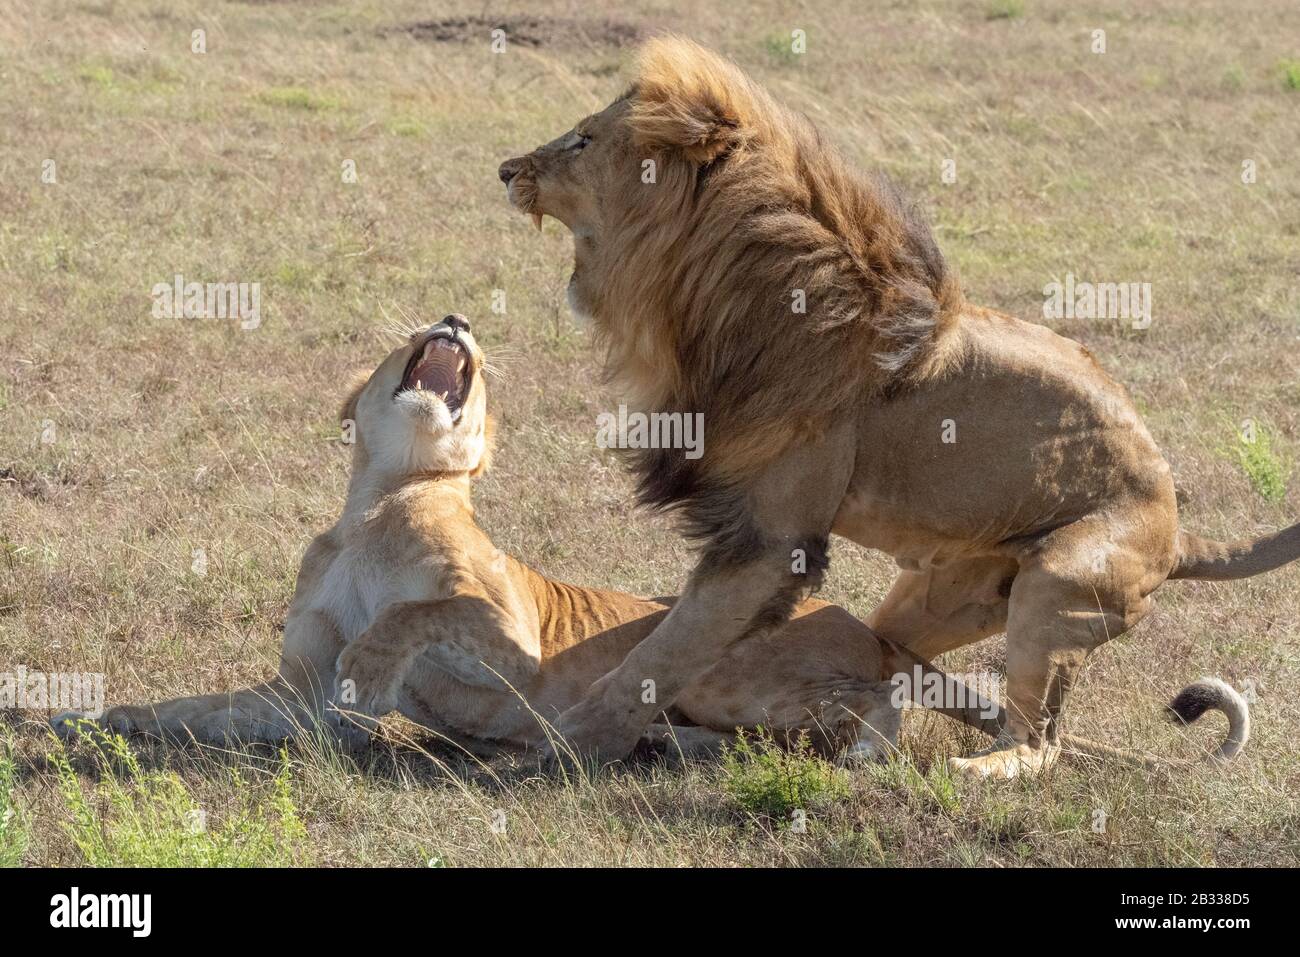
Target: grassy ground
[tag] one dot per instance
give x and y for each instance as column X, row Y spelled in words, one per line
column 166, row 435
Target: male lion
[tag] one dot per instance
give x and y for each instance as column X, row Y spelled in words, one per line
column 406, row 605
column 733, row 264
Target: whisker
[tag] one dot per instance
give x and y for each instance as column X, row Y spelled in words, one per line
column 413, row 320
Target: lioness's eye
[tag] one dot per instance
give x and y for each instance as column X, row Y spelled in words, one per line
column 581, row 142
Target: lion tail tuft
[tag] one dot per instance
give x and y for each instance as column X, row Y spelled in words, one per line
column 1213, row 694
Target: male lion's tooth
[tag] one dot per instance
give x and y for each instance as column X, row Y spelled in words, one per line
column 537, row 220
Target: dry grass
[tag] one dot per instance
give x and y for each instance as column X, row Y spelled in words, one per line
column 174, row 435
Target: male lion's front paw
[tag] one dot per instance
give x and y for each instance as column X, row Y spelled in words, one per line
column 367, row 680
column 591, row 731
column 1005, row 759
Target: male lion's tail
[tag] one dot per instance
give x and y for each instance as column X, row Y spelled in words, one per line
column 1206, row 694
column 1209, row 560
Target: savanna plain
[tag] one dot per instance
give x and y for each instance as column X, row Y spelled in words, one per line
column 132, row 446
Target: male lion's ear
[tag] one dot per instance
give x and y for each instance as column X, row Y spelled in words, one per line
column 489, row 446
column 356, row 385
column 690, row 99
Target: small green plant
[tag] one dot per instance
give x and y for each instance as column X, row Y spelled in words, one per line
column 1264, row 467
column 780, row 47
column 13, row 832
column 412, row 128
column 1005, row 9
column 296, row 98
column 1291, row 74
column 765, row 777
column 138, row 818
column 98, row 74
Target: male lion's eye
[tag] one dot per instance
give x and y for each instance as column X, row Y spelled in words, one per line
column 581, row 142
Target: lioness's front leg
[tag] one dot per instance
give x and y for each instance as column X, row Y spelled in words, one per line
column 469, row 639
column 768, row 550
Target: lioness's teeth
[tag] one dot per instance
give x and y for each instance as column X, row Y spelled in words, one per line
column 537, row 220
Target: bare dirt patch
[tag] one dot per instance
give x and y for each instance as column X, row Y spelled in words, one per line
column 530, row 31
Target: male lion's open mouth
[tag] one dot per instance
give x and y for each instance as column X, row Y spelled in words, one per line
column 441, row 368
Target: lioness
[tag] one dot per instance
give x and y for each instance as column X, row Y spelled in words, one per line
column 406, row 605
column 734, row 265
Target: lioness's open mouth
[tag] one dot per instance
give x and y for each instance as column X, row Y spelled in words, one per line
column 440, row 367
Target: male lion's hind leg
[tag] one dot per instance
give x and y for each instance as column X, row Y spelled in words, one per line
column 936, row 610
column 1054, row 624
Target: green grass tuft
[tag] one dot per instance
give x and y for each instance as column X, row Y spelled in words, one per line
column 1291, row 74
column 412, row 128
column 297, row 98
column 1005, row 10
column 13, row 832
column 780, row 47
column 137, row 818
column 1264, row 467
column 765, row 778
column 98, row 75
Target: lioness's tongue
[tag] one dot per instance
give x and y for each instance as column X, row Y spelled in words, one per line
column 437, row 372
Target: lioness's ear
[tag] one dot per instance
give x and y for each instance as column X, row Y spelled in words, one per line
column 689, row 99
column 356, row 385
column 489, row 446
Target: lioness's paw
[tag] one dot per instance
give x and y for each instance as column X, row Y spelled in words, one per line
column 70, row 724
column 365, row 682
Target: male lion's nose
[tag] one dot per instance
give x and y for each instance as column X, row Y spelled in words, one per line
column 457, row 321
column 509, row 169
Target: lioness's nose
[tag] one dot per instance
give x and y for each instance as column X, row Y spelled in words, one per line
column 509, row 169
column 457, row 321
